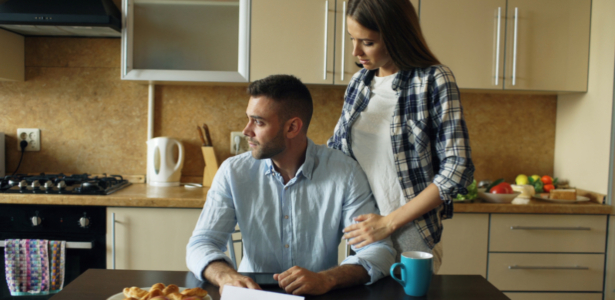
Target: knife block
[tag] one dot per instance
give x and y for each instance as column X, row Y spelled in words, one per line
column 211, row 165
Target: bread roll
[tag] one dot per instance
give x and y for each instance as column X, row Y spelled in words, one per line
column 563, row 194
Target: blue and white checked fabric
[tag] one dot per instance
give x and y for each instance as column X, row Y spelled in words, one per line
column 429, row 137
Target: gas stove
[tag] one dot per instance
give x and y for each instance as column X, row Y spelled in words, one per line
column 83, row 184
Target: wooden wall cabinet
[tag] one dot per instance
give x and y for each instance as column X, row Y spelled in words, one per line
column 533, row 45
column 12, row 65
column 186, row 41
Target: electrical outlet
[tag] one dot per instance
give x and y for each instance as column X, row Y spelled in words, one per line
column 243, row 143
column 32, row 136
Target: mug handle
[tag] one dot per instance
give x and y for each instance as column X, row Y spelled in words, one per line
column 401, row 281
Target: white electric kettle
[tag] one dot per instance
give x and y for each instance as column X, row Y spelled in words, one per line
column 162, row 170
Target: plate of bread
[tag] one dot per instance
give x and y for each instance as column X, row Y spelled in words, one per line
column 561, row 196
column 159, row 291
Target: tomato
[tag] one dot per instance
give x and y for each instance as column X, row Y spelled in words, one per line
column 548, row 187
column 502, row 188
column 546, row 179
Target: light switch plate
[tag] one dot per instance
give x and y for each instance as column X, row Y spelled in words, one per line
column 32, row 136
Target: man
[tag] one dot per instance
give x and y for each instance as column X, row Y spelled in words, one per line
column 291, row 198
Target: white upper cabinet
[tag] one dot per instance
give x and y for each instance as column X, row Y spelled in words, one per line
column 293, row 37
column 12, row 65
column 186, row 41
column 533, row 45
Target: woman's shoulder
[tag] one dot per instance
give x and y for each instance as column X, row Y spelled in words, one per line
column 434, row 73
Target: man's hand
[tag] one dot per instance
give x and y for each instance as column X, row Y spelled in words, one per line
column 300, row 281
column 221, row 274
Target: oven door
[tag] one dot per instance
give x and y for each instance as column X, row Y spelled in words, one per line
column 82, row 253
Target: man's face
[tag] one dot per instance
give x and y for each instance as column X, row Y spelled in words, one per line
column 264, row 131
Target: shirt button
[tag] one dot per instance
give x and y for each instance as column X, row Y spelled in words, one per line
column 286, row 217
column 286, row 246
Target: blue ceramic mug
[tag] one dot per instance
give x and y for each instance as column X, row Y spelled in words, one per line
column 416, row 272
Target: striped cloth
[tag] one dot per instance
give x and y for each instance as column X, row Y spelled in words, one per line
column 34, row 266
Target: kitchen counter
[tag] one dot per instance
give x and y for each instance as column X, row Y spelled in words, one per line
column 143, row 195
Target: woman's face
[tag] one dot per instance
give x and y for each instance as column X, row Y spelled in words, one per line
column 369, row 48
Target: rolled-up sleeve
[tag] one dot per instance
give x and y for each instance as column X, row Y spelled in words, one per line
column 214, row 227
column 451, row 139
column 378, row 257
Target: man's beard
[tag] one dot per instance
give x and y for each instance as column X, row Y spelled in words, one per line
column 271, row 148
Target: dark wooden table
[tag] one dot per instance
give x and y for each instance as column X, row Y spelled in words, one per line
column 97, row 284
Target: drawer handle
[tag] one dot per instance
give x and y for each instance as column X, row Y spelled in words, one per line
column 548, row 228
column 516, row 267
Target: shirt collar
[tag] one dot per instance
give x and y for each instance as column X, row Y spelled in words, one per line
column 368, row 75
column 306, row 169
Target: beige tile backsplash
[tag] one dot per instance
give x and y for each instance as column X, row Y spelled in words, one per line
column 91, row 121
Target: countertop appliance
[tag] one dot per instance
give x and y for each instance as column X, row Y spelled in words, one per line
column 83, row 184
column 2, row 155
column 92, row 18
column 162, row 169
column 82, row 227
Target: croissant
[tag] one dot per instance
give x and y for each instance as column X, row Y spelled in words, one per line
column 171, row 292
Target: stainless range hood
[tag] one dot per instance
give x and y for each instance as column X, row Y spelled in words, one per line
column 86, row 18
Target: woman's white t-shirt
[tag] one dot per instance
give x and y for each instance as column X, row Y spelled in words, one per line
column 371, row 146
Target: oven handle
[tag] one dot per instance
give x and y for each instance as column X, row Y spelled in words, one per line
column 69, row 245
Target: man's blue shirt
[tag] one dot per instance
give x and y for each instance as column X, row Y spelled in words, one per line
column 297, row 224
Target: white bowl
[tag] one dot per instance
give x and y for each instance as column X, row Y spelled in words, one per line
column 497, row 198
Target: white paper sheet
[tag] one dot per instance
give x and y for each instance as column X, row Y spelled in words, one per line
column 237, row 293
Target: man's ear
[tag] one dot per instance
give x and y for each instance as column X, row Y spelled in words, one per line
column 293, row 127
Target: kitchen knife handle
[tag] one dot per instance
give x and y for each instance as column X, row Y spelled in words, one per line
column 113, row 241
column 548, row 228
column 343, row 70
column 207, row 136
column 514, row 69
column 201, row 136
column 497, row 48
column 326, row 38
column 577, row 267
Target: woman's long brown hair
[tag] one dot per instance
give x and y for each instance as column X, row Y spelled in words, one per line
column 398, row 25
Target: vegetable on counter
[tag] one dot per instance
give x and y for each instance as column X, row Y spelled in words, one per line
column 502, row 188
column 471, row 195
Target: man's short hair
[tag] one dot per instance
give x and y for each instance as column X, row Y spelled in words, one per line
column 289, row 92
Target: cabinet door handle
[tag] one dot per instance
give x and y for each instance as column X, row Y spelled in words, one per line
column 577, row 267
column 548, row 228
column 343, row 38
column 113, row 240
column 125, row 38
column 497, row 48
column 514, row 70
column 324, row 76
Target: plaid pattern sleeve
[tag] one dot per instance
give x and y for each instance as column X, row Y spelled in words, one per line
column 429, row 137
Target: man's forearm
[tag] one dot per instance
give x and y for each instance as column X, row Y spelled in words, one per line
column 345, row 276
column 216, row 270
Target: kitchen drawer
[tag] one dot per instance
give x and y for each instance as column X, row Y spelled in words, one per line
column 554, row 296
column 546, row 272
column 547, row 233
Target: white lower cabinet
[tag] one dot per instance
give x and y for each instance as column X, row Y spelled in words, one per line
column 554, row 296
column 529, row 256
column 539, row 256
column 465, row 244
column 150, row 238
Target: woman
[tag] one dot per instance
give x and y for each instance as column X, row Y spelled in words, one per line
column 403, row 122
